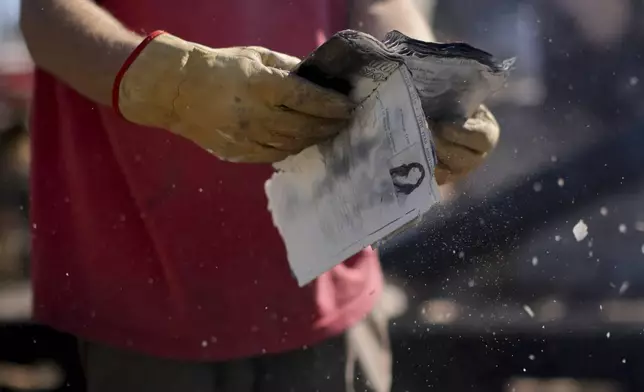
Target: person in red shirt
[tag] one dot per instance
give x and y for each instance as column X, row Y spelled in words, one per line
column 152, row 242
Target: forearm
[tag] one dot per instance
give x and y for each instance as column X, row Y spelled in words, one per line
column 78, row 42
column 377, row 17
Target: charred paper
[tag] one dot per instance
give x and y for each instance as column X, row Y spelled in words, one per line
column 377, row 177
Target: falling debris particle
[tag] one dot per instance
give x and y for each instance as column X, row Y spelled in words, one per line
column 471, row 283
column 607, row 335
column 639, row 226
column 612, row 285
column 590, row 253
column 557, row 238
column 623, row 360
column 623, row 287
column 642, row 248
column 560, row 182
column 531, row 357
column 528, row 310
column 622, row 228
column 601, row 307
column 603, row 211
column 461, row 255
column 633, row 80
column 580, row 231
column 553, row 158
column 535, row 261
column 537, row 186
column 204, row 343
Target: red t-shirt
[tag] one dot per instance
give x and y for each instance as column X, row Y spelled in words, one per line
column 144, row 241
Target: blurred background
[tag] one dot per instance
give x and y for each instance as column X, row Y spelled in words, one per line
column 499, row 290
column 15, row 89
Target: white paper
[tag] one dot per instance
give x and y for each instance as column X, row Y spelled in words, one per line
column 333, row 200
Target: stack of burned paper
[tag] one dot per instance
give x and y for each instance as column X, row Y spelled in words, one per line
column 376, row 178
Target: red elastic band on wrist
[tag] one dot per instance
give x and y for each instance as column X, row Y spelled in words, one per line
column 126, row 65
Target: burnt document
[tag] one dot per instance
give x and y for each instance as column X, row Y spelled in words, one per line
column 376, row 178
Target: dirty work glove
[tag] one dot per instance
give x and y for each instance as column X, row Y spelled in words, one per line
column 239, row 103
column 461, row 146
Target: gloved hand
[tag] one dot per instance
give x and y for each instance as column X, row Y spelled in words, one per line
column 239, row 103
column 461, row 146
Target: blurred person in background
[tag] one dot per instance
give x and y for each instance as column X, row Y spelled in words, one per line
column 16, row 68
column 16, row 72
column 171, row 278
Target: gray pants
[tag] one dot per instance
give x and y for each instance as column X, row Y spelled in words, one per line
column 358, row 361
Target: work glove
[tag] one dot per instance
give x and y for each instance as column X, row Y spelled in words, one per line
column 241, row 104
column 461, row 146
